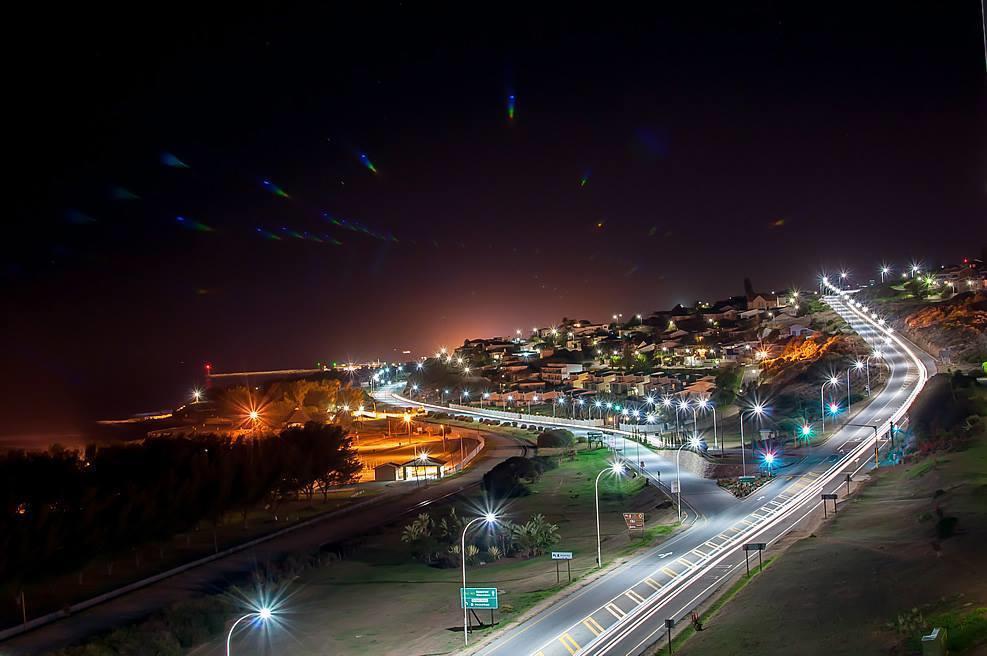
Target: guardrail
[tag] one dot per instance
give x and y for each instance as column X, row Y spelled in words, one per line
column 526, row 418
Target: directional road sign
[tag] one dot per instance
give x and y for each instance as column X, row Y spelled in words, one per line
column 479, row 598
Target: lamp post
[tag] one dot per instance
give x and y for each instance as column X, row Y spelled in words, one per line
column 833, row 380
column 758, row 410
column 682, row 405
column 617, row 468
column 263, row 615
column 858, row 365
column 707, row 404
column 693, row 443
column 489, row 518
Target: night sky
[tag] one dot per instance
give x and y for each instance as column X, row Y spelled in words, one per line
column 655, row 156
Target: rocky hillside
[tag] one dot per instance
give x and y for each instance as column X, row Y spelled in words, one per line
column 958, row 326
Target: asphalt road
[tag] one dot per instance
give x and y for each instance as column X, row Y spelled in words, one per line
column 624, row 611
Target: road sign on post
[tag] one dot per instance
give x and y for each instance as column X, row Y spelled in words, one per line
column 478, row 598
column 754, row 546
column 634, row 521
column 567, row 557
column 669, row 623
column 829, row 497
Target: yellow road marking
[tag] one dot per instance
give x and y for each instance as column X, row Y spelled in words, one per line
column 654, row 584
column 669, row 572
column 541, row 653
column 634, row 596
column 569, row 643
column 615, row 610
column 593, row 625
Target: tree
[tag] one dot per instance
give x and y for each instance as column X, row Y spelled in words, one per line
column 418, row 534
column 535, row 536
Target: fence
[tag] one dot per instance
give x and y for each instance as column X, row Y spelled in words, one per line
column 468, row 456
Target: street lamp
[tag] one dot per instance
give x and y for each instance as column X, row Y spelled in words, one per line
column 757, row 410
column 805, row 432
column 616, row 468
column 693, row 443
column 706, row 404
column 489, row 518
column 598, row 405
column 858, row 365
column 196, row 395
column 683, row 405
column 483, row 397
column 832, row 381
column 261, row 615
column 885, row 270
column 769, row 460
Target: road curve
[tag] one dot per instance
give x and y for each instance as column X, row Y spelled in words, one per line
column 624, row 612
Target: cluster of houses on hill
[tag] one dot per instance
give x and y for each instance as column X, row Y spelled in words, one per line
column 673, row 352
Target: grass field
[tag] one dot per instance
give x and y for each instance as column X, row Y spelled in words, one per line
column 380, row 601
column 109, row 571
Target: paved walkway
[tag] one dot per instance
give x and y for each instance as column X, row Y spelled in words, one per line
column 214, row 576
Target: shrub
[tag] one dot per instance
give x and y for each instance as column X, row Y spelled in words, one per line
column 556, row 437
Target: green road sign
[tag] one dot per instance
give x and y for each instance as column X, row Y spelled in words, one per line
column 478, row 598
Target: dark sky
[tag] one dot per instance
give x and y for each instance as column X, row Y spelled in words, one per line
column 717, row 143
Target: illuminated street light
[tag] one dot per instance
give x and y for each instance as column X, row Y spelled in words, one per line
column 757, row 411
column 706, row 404
column 489, row 518
column 806, row 431
column 769, row 460
column 261, row 615
column 617, row 469
column 196, row 395
column 885, row 270
column 831, row 382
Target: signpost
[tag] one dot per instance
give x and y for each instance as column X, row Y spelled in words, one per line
column 668, row 629
column 474, row 598
column 828, row 497
column 567, row 557
column 634, row 521
column 754, row 546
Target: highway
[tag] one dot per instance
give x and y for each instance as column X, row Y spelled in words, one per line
column 624, row 612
